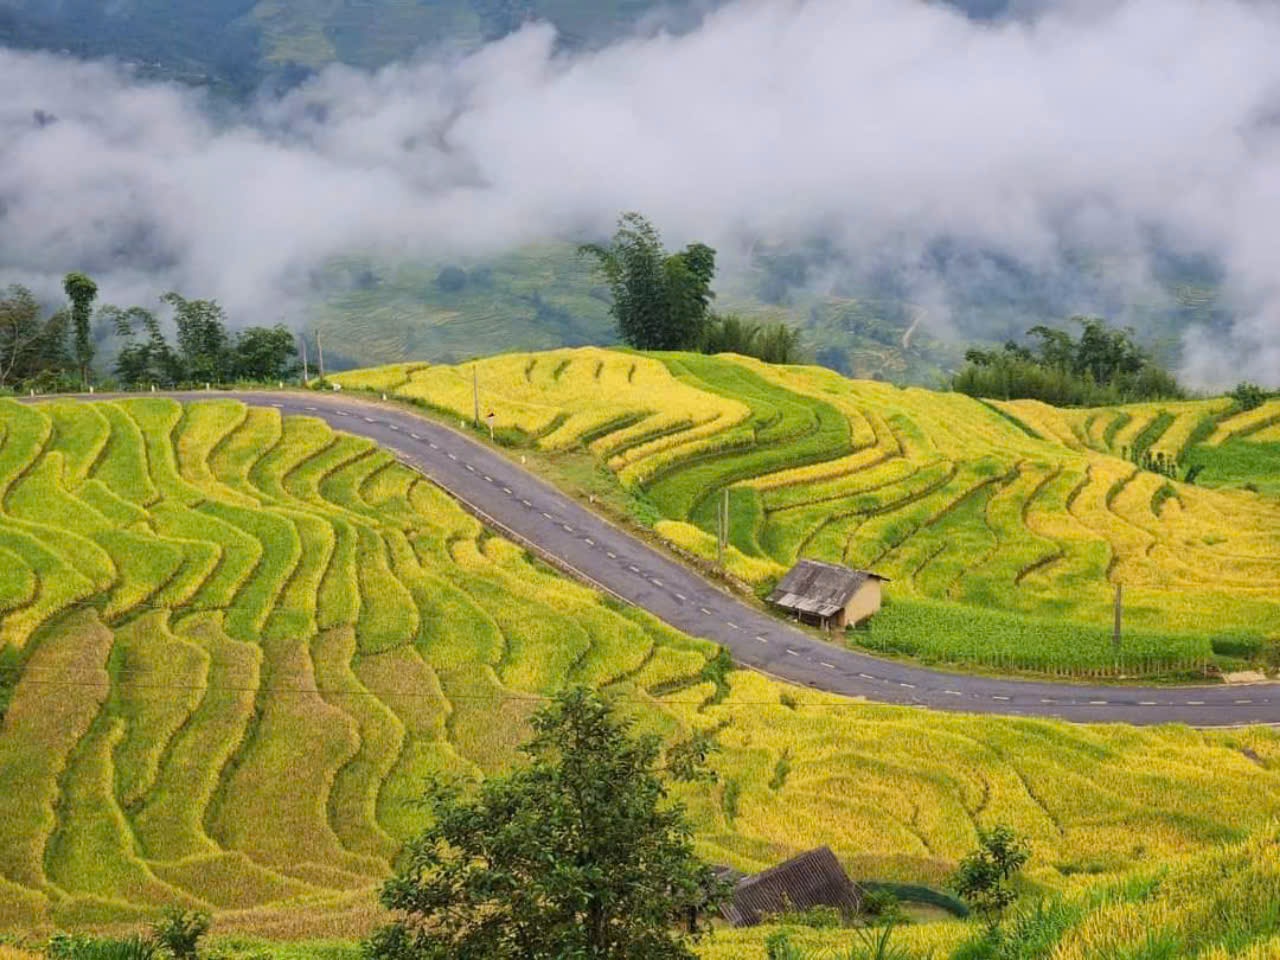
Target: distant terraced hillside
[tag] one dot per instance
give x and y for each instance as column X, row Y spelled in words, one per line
column 243, row 641
column 1005, row 528
column 1232, row 449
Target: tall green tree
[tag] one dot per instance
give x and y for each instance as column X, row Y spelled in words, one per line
column 578, row 855
column 660, row 300
column 20, row 332
column 146, row 359
column 82, row 292
column 264, row 354
column 204, row 346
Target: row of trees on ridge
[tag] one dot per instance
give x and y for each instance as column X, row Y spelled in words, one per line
column 57, row 352
column 1104, row 365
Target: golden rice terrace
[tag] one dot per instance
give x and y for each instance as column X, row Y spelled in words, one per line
column 1005, row 527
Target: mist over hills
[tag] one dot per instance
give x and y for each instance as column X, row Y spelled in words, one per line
column 863, row 167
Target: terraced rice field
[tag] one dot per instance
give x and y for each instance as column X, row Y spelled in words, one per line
column 246, row 641
column 1004, row 527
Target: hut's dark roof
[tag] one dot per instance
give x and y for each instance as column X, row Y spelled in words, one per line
column 817, row 588
column 813, row 879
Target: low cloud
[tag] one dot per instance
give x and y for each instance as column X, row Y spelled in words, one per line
column 885, row 126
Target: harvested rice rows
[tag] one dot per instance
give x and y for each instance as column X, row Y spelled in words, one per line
column 245, row 722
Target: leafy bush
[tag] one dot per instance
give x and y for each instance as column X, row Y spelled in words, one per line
column 179, row 931
column 1248, row 396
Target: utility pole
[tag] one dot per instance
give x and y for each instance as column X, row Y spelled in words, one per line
column 320, row 351
column 475, row 395
column 306, row 372
column 1115, row 636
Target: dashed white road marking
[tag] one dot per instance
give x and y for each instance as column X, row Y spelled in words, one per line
column 612, row 555
column 488, row 479
column 1195, row 703
column 999, row 698
column 731, row 625
column 278, row 406
column 1147, row 703
column 909, row 686
column 452, row 456
column 507, row 491
column 432, row 444
column 1047, row 700
column 655, row 581
column 633, row 568
column 312, row 409
column 829, row 666
column 369, row 420
column 794, row 653
column 866, row 676
column 762, row 638
column 588, row 541
column 1243, row 701
column 547, row 516
column 393, row 427
column 343, row 413
column 470, row 467
column 705, row 610
column 953, row 693
column 566, row 528
column 1097, row 703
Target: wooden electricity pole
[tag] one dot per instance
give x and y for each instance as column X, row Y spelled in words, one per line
column 320, row 351
column 306, row 372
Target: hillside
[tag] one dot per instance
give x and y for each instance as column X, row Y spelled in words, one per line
column 243, row 640
column 1004, row 540
column 546, row 296
column 233, row 45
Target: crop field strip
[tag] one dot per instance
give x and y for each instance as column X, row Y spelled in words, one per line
column 355, row 632
column 1011, row 506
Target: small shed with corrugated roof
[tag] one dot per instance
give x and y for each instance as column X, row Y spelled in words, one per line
column 813, row 879
column 828, row 594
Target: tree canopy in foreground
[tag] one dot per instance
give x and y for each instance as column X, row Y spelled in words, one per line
column 577, row 855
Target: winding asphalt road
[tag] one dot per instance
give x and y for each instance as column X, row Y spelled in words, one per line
column 524, row 508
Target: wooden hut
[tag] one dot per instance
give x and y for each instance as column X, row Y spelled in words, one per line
column 813, row 879
column 828, row 595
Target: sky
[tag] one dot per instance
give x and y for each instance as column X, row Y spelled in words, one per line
column 880, row 125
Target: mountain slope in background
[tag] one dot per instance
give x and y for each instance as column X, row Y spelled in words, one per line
column 235, row 45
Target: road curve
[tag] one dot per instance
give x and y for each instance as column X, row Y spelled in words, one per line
column 578, row 540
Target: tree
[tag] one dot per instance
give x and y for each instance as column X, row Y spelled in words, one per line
column 984, row 877
column 204, row 346
column 82, row 291
column 660, row 300
column 1248, row 396
column 147, row 361
column 578, row 855
column 20, row 333
column 264, row 354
